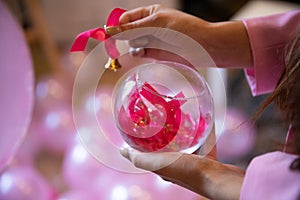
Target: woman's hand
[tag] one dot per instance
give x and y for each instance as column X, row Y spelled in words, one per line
column 203, row 175
column 226, row 42
column 159, row 16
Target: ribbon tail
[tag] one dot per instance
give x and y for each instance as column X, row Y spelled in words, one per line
column 113, row 20
column 111, row 48
column 80, row 43
column 82, row 39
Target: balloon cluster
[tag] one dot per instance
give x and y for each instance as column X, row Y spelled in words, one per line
column 52, row 163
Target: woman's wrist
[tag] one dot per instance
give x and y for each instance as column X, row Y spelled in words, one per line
column 219, row 181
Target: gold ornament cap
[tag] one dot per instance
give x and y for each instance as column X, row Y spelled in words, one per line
column 113, row 64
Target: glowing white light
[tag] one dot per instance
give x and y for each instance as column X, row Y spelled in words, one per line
column 79, row 154
column 119, row 193
column 6, row 182
column 41, row 90
column 162, row 183
column 52, row 120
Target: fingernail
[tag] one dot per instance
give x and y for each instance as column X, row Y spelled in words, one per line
column 112, row 30
column 124, row 152
column 138, row 52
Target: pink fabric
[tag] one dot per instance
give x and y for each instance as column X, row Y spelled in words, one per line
column 269, row 177
column 268, row 36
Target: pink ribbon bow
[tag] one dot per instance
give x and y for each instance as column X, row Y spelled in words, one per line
column 100, row 34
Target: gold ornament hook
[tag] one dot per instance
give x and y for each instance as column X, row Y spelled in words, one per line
column 113, row 64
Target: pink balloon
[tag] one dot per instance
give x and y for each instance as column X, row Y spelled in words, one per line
column 147, row 186
column 50, row 91
column 77, row 195
column 80, row 170
column 16, row 86
column 57, row 128
column 31, row 145
column 237, row 138
column 20, row 182
column 53, row 119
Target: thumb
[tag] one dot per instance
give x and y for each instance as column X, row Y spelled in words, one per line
column 140, row 23
column 131, row 19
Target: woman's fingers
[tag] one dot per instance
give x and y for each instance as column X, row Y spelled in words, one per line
column 157, row 162
column 150, row 161
column 175, row 167
column 135, row 14
column 202, row 175
column 139, row 14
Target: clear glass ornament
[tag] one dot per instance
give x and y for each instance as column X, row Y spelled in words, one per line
column 163, row 107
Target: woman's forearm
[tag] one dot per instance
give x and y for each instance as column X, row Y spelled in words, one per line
column 227, row 43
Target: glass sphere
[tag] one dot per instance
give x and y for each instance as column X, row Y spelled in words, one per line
column 164, row 107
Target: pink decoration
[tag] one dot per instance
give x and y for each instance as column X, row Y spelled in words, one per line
column 57, row 128
column 159, row 116
column 53, row 117
column 16, row 86
column 100, row 34
column 141, row 120
column 20, row 182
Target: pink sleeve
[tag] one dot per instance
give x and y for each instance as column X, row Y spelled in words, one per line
column 268, row 36
column 269, row 177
